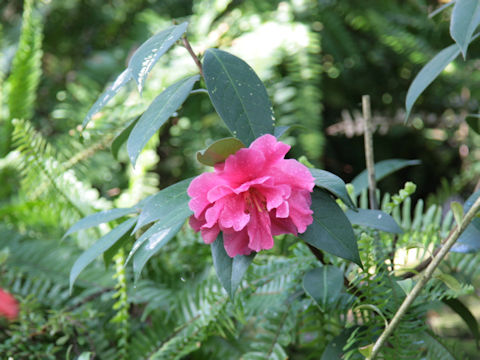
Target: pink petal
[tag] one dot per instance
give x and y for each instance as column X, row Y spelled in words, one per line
column 198, row 190
column 219, row 192
column 213, row 213
column 243, row 166
column 283, row 211
column 195, row 223
column 233, row 214
column 236, row 243
column 209, row 235
column 272, row 149
column 274, row 195
column 247, row 185
column 291, row 172
column 282, row 226
column 300, row 212
column 259, row 233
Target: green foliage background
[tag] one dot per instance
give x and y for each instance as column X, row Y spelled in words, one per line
column 316, row 58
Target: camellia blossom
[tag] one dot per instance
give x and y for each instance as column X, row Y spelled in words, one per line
column 251, row 197
column 8, row 305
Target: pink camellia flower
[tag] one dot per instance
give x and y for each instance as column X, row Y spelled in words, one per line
column 8, row 305
column 252, row 196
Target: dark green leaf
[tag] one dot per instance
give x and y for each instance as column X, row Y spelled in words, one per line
column 382, row 169
column 152, row 241
column 169, row 202
column 230, row 271
column 429, row 73
column 333, row 184
column 457, row 306
column 112, row 251
column 375, row 219
column 465, row 19
column 103, row 244
column 143, row 60
column 108, row 94
column 331, row 231
column 157, row 113
column 122, row 137
column 238, row 95
column 99, row 218
column 219, row 151
column 324, row 285
column 334, row 350
column 469, row 240
column 280, row 130
column 473, row 120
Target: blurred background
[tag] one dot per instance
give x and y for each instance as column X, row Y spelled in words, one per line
column 316, row 57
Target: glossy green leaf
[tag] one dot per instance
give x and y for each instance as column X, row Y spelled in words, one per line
column 99, row 218
column 429, row 73
column 157, row 114
column 145, row 57
column 219, row 151
column 122, row 137
column 153, row 240
column 382, row 170
column 332, row 183
column 230, row 271
column 324, row 285
column 238, row 95
column 108, row 94
column 331, row 231
column 375, row 219
column 169, row 202
column 97, row 249
column 467, row 316
column 473, row 121
column 465, row 19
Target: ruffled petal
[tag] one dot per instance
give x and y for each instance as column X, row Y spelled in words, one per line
column 245, row 165
column 282, row 226
column 236, row 243
column 294, row 174
column 198, row 190
column 274, row 195
column 209, row 235
column 272, row 149
column 233, row 214
column 259, row 233
column 300, row 212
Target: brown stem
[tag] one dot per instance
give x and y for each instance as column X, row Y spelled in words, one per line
column 193, row 55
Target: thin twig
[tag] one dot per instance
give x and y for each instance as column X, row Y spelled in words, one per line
column 193, row 55
column 367, row 135
column 437, row 259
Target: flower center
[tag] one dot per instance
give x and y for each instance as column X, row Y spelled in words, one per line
column 254, row 198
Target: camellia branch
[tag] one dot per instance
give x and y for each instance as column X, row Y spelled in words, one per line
column 192, row 54
column 449, row 242
column 367, row 134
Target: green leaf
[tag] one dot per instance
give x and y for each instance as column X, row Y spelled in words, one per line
column 103, row 244
column 280, row 130
column 157, row 113
column 429, row 73
column 469, row 240
column 238, row 95
column 324, row 285
column 99, row 218
column 108, row 94
column 467, row 316
column 230, row 271
column 169, row 202
column 473, row 120
column 219, row 151
column 122, row 137
column 457, row 210
column 334, row 349
column 382, row 169
column 465, row 19
column 331, row 231
column 375, row 219
column 152, row 241
column 333, row 184
column 143, row 60
column 112, row 251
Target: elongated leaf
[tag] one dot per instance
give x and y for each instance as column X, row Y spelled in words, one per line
column 324, row 285
column 429, row 73
column 230, row 271
column 465, row 19
column 375, row 219
column 108, row 94
column 473, row 120
column 332, row 183
column 331, row 231
column 469, row 240
column 334, row 349
column 280, row 130
column 238, row 95
column 169, row 202
column 382, row 170
column 143, row 60
column 157, row 113
column 467, row 316
column 122, row 137
column 219, row 151
column 99, row 218
column 97, row 249
column 152, row 241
